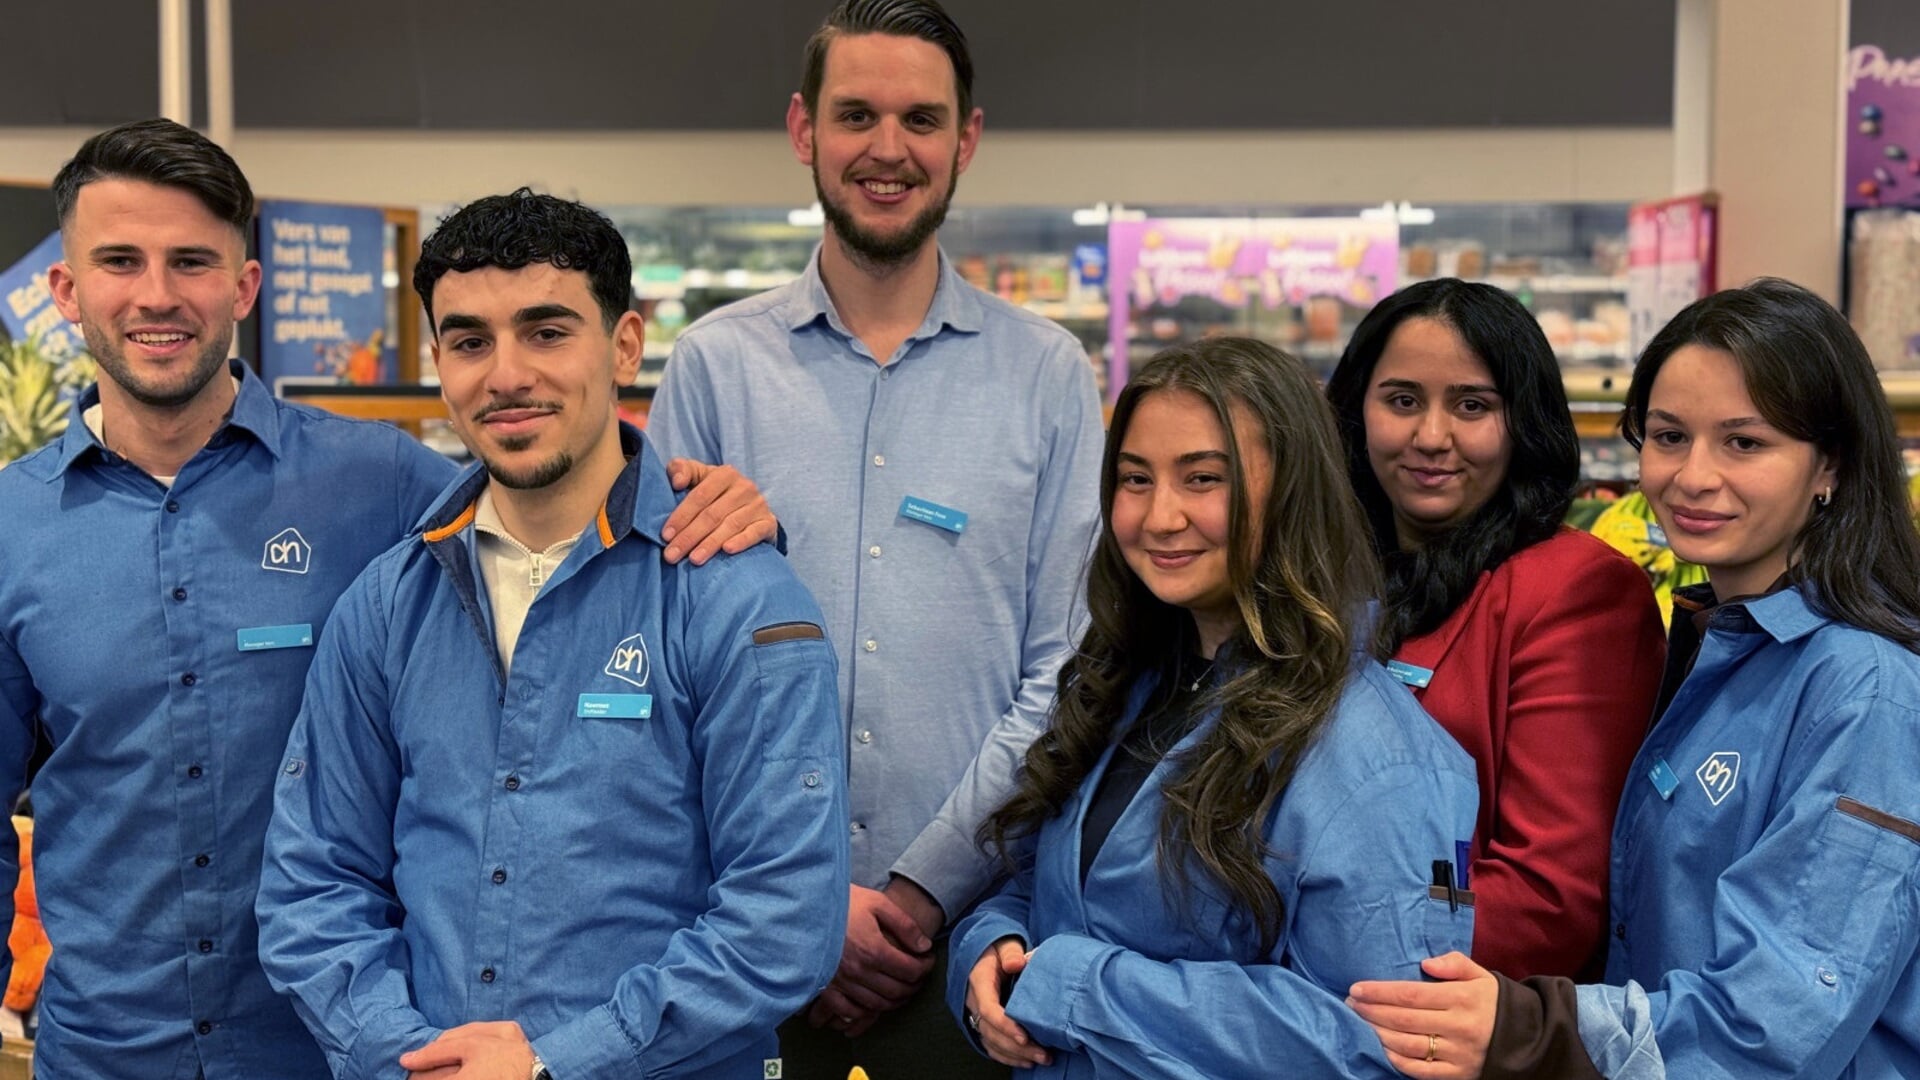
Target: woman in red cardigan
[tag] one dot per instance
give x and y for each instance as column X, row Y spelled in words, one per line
column 1538, row 647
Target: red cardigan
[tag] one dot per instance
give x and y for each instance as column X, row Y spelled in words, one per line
column 1547, row 675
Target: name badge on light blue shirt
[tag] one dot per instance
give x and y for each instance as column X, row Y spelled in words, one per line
column 259, row 638
column 1416, row 677
column 615, row 706
column 1664, row 780
column 931, row 513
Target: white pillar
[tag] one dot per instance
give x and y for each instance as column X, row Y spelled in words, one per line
column 220, row 72
column 176, row 61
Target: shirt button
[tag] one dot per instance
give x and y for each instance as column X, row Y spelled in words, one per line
column 205, row 945
column 1827, row 976
column 203, row 1028
column 202, row 859
column 194, row 772
column 874, row 551
column 872, row 645
column 855, row 827
column 179, row 594
column 865, row 736
column 879, row 459
column 486, row 975
column 189, row 679
column 173, row 507
column 513, row 783
column 811, row 780
column 1620, row 931
column 499, row 876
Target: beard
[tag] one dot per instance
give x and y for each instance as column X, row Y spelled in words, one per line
column 878, row 249
column 544, row 474
column 167, row 391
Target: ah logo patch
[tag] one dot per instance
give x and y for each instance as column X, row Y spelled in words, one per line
column 288, row 552
column 1718, row 774
column 629, row 661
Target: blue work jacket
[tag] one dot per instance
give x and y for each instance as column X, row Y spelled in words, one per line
column 635, row 846
column 1123, row 983
column 1766, row 862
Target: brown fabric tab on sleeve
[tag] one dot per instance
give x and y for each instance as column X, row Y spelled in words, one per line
column 1536, row 1032
column 1856, row 808
column 1463, row 897
column 787, row 631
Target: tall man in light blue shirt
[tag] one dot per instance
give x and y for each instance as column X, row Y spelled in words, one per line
column 552, row 802
column 933, row 453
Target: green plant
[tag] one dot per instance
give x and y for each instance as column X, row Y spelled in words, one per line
column 33, row 409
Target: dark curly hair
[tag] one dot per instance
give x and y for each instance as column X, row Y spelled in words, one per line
column 513, row 231
column 159, row 152
column 1426, row 585
column 1302, row 577
column 1812, row 379
column 923, row 19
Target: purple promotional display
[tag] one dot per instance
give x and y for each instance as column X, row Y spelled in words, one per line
column 1321, row 265
column 1883, row 129
column 323, row 308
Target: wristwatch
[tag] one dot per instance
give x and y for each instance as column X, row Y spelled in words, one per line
column 540, row 1070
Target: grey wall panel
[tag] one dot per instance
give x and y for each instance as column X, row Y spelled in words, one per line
column 1894, row 25
column 730, row 64
column 78, row 61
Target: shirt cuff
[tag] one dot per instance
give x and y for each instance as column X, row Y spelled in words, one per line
column 944, row 861
column 1056, row 976
column 376, row 1050
column 593, row 1044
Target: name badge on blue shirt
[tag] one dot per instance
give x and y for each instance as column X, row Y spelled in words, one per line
column 1664, row 780
column 1656, row 535
column 292, row 636
column 931, row 513
column 1416, row 677
column 615, row 706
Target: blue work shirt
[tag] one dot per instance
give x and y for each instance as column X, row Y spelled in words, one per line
column 949, row 641
column 632, row 846
column 1770, row 906
column 130, row 630
column 1121, row 983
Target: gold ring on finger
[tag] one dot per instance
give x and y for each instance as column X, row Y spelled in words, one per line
column 1433, row 1041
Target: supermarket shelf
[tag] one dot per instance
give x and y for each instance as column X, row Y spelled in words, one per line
column 1064, row 312
column 1548, row 283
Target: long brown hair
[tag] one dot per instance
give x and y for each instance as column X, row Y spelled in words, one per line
column 1302, row 572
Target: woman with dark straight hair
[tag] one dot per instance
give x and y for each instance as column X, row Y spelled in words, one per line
column 1233, row 803
column 1766, row 884
column 1536, row 646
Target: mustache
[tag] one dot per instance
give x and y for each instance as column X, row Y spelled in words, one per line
column 507, row 406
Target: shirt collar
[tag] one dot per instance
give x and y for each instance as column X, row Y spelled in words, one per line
column 956, row 305
column 1782, row 612
column 639, row 501
column 253, row 412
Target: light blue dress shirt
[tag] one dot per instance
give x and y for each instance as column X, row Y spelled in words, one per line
column 632, row 845
column 1767, row 913
column 135, row 628
column 1123, row 984
column 949, row 642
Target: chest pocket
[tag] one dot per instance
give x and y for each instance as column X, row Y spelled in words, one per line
column 1856, row 886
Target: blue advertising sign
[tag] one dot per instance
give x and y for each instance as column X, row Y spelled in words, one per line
column 26, row 305
column 323, row 307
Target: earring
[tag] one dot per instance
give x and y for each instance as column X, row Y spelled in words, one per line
column 1824, row 497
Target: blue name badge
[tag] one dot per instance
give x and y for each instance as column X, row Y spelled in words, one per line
column 929, row 513
column 1657, row 535
column 258, row 638
column 1416, row 677
column 1664, row 780
column 615, row 706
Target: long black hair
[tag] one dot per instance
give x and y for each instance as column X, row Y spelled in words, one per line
column 1426, row 585
column 1811, row 378
column 1301, row 577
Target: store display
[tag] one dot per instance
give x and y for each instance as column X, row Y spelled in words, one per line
column 323, row 290
column 1883, row 294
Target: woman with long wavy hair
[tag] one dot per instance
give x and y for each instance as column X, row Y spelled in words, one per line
column 1536, row 646
column 1766, row 884
column 1234, row 808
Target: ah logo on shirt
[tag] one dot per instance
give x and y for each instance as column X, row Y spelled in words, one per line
column 288, row 552
column 629, row 661
column 1718, row 774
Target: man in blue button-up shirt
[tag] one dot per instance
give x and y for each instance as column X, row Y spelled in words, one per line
column 164, row 567
column 934, row 454
column 551, row 802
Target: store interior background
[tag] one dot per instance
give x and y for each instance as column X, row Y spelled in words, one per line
column 1526, row 129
